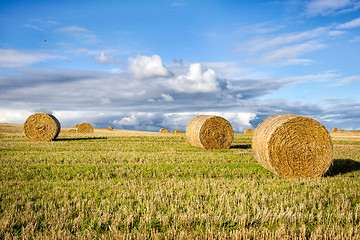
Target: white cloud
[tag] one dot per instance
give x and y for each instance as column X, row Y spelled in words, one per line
column 167, row 97
column 106, row 59
column 78, row 33
column 260, row 44
column 352, row 24
column 147, row 67
column 72, row 29
column 195, row 81
column 348, row 80
column 15, row 58
column 329, row 7
column 288, row 54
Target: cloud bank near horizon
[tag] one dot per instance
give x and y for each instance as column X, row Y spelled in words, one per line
column 148, row 95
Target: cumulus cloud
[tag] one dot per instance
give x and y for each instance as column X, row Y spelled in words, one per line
column 147, row 67
column 16, row 58
column 195, row 81
column 106, row 59
column 330, row 7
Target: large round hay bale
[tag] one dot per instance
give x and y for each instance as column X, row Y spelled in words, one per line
column 291, row 146
column 249, row 131
column 163, row 130
column 209, row 132
column 41, row 127
column 85, row 128
column 334, row 130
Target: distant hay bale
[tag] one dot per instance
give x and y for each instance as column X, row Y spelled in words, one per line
column 163, row 130
column 110, row 128
column 334, row 130
column 341, row 130
column 172, row 131
column 178, row 131
column 76, row 126
column 85, row 128
column 291, row 146
column 41, row 127
column 72, row 130
column 209, row 132
column 249, row 131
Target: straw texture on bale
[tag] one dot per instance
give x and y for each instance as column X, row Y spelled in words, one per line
column 292, row 146
column 41, row 127
column 163, row 130
column 249, row 131
column 209, row 132
column 85, row 128
column 72, row 130
column 334, row 130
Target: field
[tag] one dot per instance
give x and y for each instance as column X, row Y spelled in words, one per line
column 140, row 185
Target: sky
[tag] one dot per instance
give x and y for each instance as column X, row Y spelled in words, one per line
column 147, row 65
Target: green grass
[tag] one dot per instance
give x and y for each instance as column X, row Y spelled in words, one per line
column 156, row 187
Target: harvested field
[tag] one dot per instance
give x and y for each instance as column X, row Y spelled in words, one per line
column 132, row 184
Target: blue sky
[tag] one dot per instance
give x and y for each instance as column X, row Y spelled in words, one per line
column 146, row 65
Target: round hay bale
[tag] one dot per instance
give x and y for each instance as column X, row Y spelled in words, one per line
column 341, row 130
column 249, row 131
column 209, row 132
column 163, row 130
column 41, row 127
column 73, row 130
column 178, row 131
column 291, row 146
column 85, row 128
column 76, row 126
column 172, row 131
column 110, row 128
column 334, row 130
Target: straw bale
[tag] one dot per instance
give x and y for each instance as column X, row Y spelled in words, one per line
column 209, row 132
column 41, row 127
column 110, row 128
column 341, row 130
column 72, row 130
column 172, row 131
column 85, row 128
column 178, row 131
column 334, row 130
column 76, row 126
column 163, row 130
column 292, row 146
column 249, row 131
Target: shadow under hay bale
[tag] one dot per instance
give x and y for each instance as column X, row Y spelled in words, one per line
column 244, row 146
column 85, row 128
column 41, row 127
column 291, row 146
column 209, row 132
column 342, row 166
